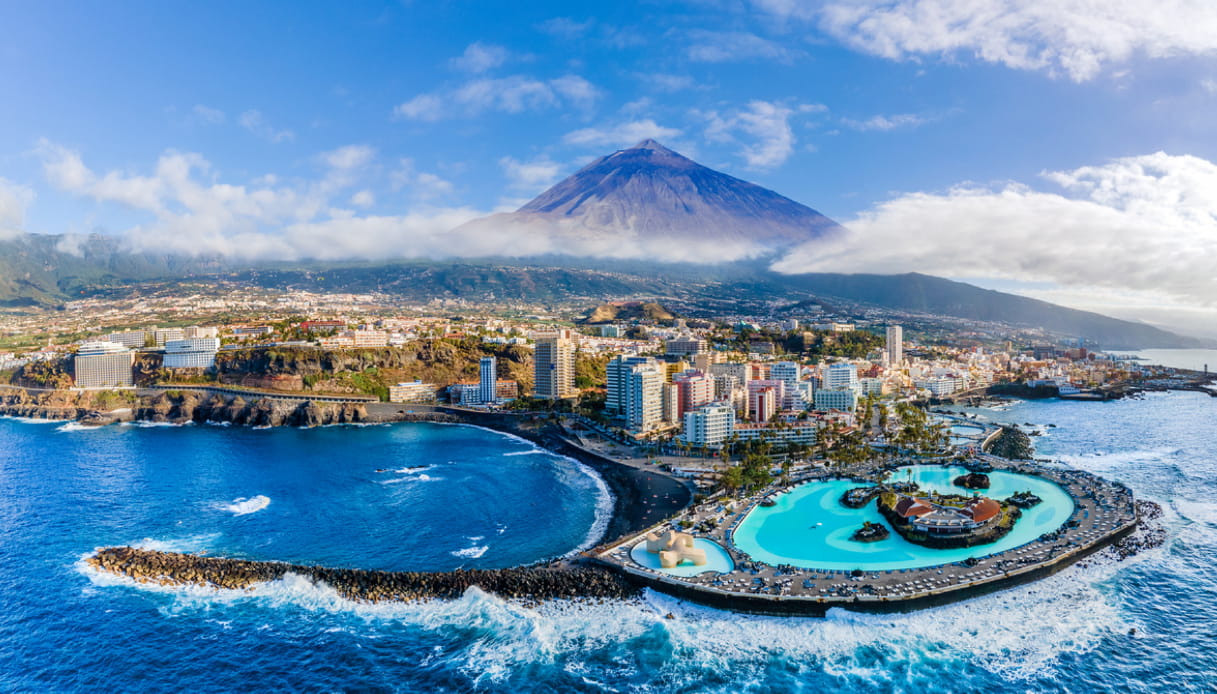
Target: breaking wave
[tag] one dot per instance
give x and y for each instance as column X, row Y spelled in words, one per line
column 243, row 507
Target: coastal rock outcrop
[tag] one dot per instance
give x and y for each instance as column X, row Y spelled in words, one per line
column 972, row 480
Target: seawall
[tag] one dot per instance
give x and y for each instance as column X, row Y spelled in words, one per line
column 530, row 584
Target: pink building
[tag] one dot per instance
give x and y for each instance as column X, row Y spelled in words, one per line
column 695, row 389
column 762, row 408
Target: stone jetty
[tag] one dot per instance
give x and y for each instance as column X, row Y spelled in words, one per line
column 528, row 584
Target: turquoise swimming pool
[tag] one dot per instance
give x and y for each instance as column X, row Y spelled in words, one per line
column 717, row 559
column 809, row 528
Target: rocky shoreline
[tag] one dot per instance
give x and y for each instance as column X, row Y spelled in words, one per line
column 528, row 584
column 177, row 407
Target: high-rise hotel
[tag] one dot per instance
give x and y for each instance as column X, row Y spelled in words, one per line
column 554, row 365
column 895, row 345
column 103, row 365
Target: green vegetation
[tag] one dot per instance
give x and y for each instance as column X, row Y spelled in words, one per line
column 916, row 431
column 44, row 374
column 590, row 370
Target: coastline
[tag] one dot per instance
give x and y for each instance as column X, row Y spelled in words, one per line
column 642, row 500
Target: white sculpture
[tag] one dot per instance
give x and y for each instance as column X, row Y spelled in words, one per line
column 673, row 548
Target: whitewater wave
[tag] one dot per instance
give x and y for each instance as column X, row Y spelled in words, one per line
column 155, row 425
column 243, row 507
column 535, row 451
column 474, row 552
column 1197, row 511
column 75, row 426
column 421, row 477
column 1020, row 634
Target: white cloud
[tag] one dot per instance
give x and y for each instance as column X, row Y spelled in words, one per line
column 423, row 185
column 349, row 157
column 189, row 212
column 565, row 27
column 254, row 122
column 213, row 116
column 13, row 201
column 621, row 134
column 532, row 175
column 884, row 123
column 424, row 107
column 669, row 83
column 480, row 57
column 766, row 124
column 1146, row 223
column 513, row 94
column 731, row 46
column 1077, row 38
column 363, row 198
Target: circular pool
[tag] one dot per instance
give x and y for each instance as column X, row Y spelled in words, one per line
column 809, row 528
column 717, row 559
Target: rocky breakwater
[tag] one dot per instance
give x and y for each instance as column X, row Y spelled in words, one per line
column 529, row 584
column 1012, row 444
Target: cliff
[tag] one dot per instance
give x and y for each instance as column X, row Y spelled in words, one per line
column 369, row 370
column 110, row 407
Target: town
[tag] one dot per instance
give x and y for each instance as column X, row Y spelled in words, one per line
column 663, row 387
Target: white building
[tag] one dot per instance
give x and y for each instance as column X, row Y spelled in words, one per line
column 554, row 365
column 617, row 382
column 940, row 385
column 686, row 345
column 788, row 373
column 197, row 331
column 103, row 365
column 842, row 399
column 191, row 353
column 414, row 391
column 131, row 338
column 870, row 386
column 841, row 375
column 710, row 425
column 895, row 345
column 803, row 432
column 368, row 338
column 644, row 398
column 165, row 335
column 488, row 379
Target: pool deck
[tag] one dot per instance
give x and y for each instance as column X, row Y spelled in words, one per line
column 1103, row 512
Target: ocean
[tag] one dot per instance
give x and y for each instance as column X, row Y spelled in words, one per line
column 1194, row 359
column 422, row 496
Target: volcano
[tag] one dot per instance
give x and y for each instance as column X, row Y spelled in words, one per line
column 648, row 201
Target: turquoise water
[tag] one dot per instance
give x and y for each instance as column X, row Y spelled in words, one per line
column 809, row 528
column 717, row 559
column 63, row 628
column 966, row 430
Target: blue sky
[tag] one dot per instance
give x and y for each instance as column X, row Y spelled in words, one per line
column 1031, row 146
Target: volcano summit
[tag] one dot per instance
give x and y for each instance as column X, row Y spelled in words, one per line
column 651, row 202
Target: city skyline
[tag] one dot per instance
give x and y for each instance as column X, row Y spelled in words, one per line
column 960, row 147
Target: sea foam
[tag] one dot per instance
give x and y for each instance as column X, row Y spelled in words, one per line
column 243, row 507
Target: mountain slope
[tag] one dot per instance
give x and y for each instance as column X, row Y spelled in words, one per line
column 650, row 202
column 926, row 294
